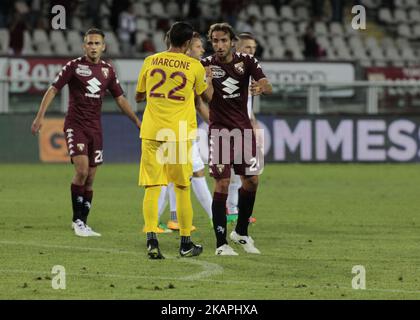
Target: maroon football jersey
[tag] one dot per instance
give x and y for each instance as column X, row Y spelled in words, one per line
column 228, row 107
column 88, row 83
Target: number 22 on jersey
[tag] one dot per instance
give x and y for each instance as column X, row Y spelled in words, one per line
column 155, row 92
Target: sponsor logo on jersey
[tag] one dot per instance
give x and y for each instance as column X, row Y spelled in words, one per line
column 230, row 86
column 93, row 88
column 217, row 72
column 105, row 72
column 83, row 70
column 239, row 67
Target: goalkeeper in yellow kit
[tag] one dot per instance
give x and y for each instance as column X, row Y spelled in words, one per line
column 170, row 81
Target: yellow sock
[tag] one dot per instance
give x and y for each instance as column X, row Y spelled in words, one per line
column 184, row 210
column 150, row 208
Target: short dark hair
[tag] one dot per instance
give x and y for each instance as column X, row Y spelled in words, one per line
column 166, row 40
column 246, row 36
column 225, row 27
column 180, row 33
column 95, row 31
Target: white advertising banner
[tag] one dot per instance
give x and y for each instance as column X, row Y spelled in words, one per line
column 345, row 139
column 304, row 72
column 128, row 70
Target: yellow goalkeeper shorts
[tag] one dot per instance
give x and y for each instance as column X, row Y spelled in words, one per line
column 164, row 162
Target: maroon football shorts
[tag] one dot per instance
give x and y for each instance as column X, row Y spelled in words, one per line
column 233, row 149
column 84, row 141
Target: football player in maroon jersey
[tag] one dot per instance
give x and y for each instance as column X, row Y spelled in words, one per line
column 231, row 137
column 88, row 78
column 245, row 43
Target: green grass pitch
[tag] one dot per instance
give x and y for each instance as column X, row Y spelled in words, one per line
column 314, row 223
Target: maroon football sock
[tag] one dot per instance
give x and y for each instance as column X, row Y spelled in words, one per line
column 218, row 209
column 245, row 207
column 87, row 203
column 77, row 194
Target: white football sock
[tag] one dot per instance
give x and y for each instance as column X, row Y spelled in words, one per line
column 163, row 200
column 232, row 199
column 202, row 192
column 172, row 199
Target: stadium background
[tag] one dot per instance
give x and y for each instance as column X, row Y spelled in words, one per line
column 344, row 95
column 319, row 64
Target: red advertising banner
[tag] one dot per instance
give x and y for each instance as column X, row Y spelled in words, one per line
column 33, row 68
column 42, row 72
column 392, row 73
column 398, row 99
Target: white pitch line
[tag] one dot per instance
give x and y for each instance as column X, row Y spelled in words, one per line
column 210, row 269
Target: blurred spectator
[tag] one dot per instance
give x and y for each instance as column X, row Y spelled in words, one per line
column 117, row 6
column 317, row 9
column 36, row 7
column 194, row 15
column 163, row 24
column 92, row 12
column 229, row 10
column 337, row 7
column 288, row 55
column 6, row 8
column 390, row 4
column 17, row 29
column 180, row 4
column 41, row 23
column 21, row 7
column 312, row 49
column 127, row 31
column 278, row 3
column 194, row 10
column 148, row 46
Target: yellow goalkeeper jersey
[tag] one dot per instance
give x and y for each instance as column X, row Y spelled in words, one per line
column 170, row 81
